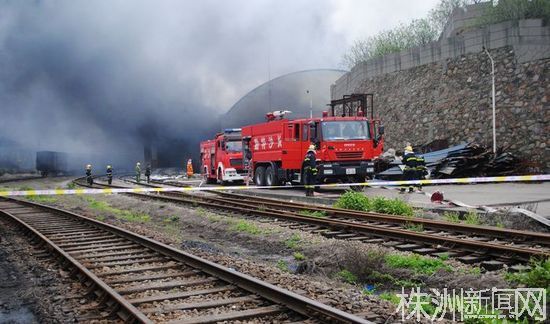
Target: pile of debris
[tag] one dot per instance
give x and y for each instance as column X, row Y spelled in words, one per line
column 461, row 161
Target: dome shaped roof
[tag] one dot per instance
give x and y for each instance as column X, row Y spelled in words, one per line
column 287, row 92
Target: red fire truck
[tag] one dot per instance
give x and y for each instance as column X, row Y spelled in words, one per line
column 346, row 143
column 221, row 158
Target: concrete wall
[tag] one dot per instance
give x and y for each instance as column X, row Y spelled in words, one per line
column 443, row 89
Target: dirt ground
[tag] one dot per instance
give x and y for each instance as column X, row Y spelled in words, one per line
column 302, row 262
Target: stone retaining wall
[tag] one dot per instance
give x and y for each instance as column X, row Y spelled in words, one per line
column 443, row 90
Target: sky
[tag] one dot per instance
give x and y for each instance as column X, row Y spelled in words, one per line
column 100, row 76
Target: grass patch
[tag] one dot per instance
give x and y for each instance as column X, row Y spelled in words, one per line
column 386, row 277
column 100, row 218
column 392, row 298
column 472, row 218
column 42, row 199
column 298, row 256
column 126, row 215
column 71, row 185
column 416, row 263
column 358, row 201
column 293, row 242
column 313, row 213
column 346, row 276
column 538, row 276
column 171, row 219
column 452, row 217
column 414, row 227
column 246, row 227
column 283, row 266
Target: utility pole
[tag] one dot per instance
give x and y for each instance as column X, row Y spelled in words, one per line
column 310, row 103
column 494, row 114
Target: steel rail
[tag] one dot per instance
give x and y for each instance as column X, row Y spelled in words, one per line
column 133, row 314
column 539, row 237
column 473, row 246
column 510, row 234
column 292, row 301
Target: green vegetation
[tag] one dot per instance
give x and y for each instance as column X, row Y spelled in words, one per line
column 538, row 276
column 386, row 277
column 347, row 276
column 353, row 200
column 392, row 298
column 422, row 31
column 42, row 199
column 414, row 227
column 358, row 201
column 515, row 10
column 472, row 218
column 416, row 263
column 313, row 213
column 171, row 219
column 246, row 227
column 282, row 265
column 100, row 218
column 126, row 215
column 452, row 217
column 71, row 185
column 293, row 242
column 298, row 256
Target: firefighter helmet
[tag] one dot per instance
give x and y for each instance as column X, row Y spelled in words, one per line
column 408, row 148
column 108, row 167
column 311, row 147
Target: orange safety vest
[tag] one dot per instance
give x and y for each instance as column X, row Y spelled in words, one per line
column 189, row 169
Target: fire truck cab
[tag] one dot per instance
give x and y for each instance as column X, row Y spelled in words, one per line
column 221, row 158
column 346, row 143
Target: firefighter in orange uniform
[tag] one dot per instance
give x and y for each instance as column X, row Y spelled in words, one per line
column 189, row 168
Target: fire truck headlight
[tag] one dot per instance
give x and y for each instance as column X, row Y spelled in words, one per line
column 370, row 170
column 327, row 165
column 327, row 172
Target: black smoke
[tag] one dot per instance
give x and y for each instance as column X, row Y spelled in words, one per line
column 101, row 79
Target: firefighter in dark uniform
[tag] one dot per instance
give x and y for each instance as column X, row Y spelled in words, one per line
column 415, row 168
column 89, row 178
column 109, row 174
column 310, row 170
column 148, row 172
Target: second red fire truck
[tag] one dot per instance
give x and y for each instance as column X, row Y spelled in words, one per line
column 221, row 158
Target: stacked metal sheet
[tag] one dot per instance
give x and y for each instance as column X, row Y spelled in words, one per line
column 463, row 160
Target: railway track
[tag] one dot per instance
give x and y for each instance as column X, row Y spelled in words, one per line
column 140, row 280
column 491, row 246
column 20, row 179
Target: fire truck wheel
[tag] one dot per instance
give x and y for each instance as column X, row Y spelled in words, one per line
column 271, row 178
column 259, row 176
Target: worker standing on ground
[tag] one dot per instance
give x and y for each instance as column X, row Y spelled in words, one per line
column 138, row 172
column 414, row 167
column 310, row 170
column 148, row 172
column 109, row 174
column 189, row 169
column 89, row 178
